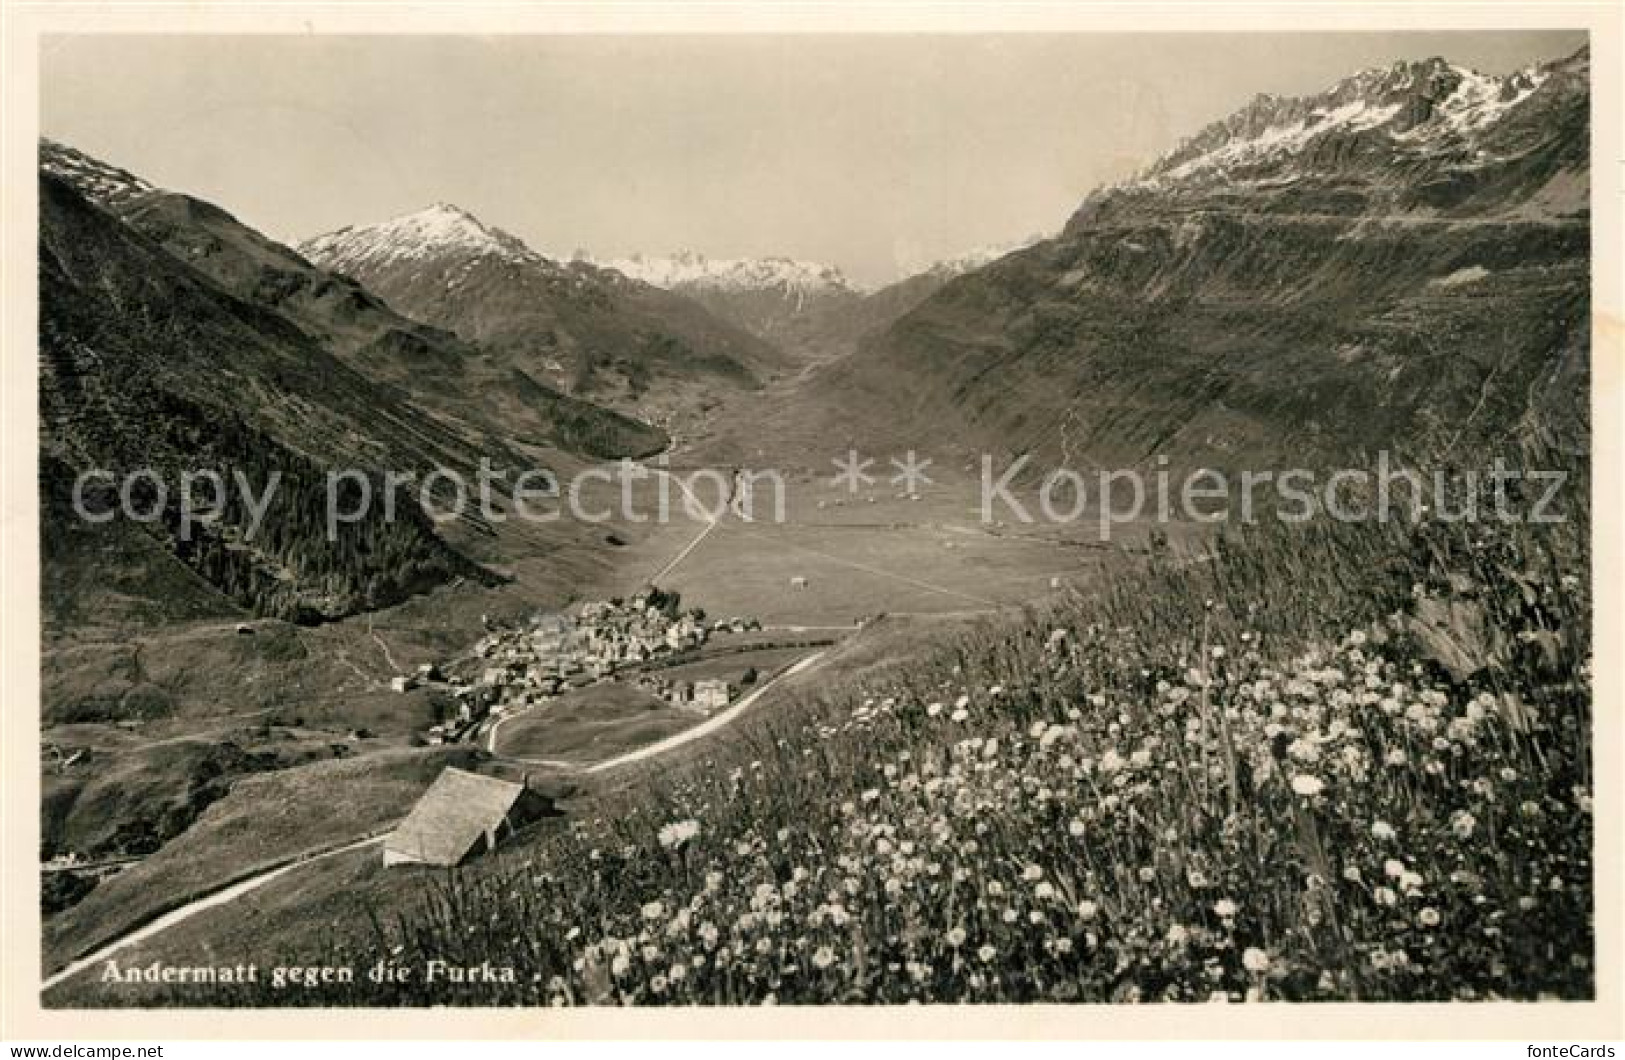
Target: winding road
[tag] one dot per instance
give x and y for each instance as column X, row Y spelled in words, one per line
column 191, row 909
column 242, row 887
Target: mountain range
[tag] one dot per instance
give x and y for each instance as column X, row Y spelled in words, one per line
column 811, row 310
column 1400, row 261
column 591, row 332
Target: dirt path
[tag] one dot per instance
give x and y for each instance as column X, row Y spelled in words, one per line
column 705, row 531
column 186, row 912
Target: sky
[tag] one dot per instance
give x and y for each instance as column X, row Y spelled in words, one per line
column 876, row 153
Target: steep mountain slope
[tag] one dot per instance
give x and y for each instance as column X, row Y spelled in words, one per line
column 879, row 309
column 1400, row 261
column 588, row 330
column 493, row 402
column 145, row 364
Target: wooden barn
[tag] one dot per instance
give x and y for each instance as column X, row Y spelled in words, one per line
column 461, row 816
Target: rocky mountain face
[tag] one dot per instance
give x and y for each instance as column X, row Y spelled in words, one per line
column 592, row 332
column 1401, row 261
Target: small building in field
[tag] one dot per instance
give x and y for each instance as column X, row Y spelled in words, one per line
column 462, row 816
column 712, row 694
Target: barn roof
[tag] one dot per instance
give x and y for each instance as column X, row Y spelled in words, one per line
column 452, row 815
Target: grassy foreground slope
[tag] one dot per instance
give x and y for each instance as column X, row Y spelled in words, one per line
column 1335, row 762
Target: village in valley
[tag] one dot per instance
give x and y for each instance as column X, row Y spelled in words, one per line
column 515, row 669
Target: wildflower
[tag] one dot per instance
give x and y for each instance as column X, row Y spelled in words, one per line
column 1076, row 828
column 1255, row 960
column 823, row 957
column 1177, row 935
column 1306, row 785
column 933, row 710
column 678, row 973
column 1384, row 896
column 987, row 953
column 1382, row 830
column 1224, row 907
column 1044, row 890
column 1461, row 824
column 1393, row 868
column 956, row 937
column 1031, row 873
column 1428, row 917
column 653, row 911
column 1087, row 909
column 677, row 833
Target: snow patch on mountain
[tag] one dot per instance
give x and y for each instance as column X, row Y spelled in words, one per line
column 437, row 232
column 107, row 186
column 1409, row 108
column 687, row 269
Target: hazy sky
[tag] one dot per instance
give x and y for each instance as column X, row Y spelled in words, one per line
column 877, row 153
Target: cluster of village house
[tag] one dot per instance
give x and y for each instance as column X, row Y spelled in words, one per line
column 525, row 666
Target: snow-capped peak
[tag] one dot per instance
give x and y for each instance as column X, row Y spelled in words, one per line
column 688, row 269
column 103, row 184
column 435, row 231
column 1409, row 105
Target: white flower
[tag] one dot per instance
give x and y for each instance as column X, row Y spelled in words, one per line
column 1255, row 960
column 956, row 937
column 1428, row 917
column 678, row 832
column 1382, row 830
column 654, row 911
column 1225, row 907
column 1087, row 909
column 823, row 957
column 1307, row 785
column 1394, row 868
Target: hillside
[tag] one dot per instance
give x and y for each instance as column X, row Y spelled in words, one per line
column 494, row 404
column 146, row 364
column 591, row 332
column 1400, row 261
column 1265, row 777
